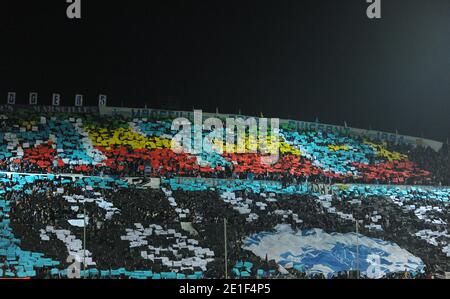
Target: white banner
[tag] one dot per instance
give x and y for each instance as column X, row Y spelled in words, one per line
column 11, row 98
column 33, row 98
column 102, row 100
column 78, row 100
column 56, row 99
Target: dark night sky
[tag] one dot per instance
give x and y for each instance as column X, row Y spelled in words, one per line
column 296, row 59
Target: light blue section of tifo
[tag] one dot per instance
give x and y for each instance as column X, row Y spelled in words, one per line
column 68, row 140
column 237, row 185
column 317, row 251
column 315, row 145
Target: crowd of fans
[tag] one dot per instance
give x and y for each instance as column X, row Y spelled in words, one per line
column 42, row 207
column 124, row 147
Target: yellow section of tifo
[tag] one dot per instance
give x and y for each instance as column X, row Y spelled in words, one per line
column 383, row 152
column 251, row 143
column 335, row 148
column 124, row 137
column 127, row 137
column 28, row 125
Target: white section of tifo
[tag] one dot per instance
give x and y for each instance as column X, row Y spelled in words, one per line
column 153, row 184
column 13, row 143
column 325, row 201
column 182, row 213
column 74, row 245
column 175, row 244
column 436, row 238
column 187, row 226
column 98, row 200
column 241, row 205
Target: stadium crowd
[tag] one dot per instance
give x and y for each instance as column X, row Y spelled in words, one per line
column 94, row 145
column 133, row 232
column 33, row 211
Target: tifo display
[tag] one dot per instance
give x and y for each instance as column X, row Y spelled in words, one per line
column 330, row 204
